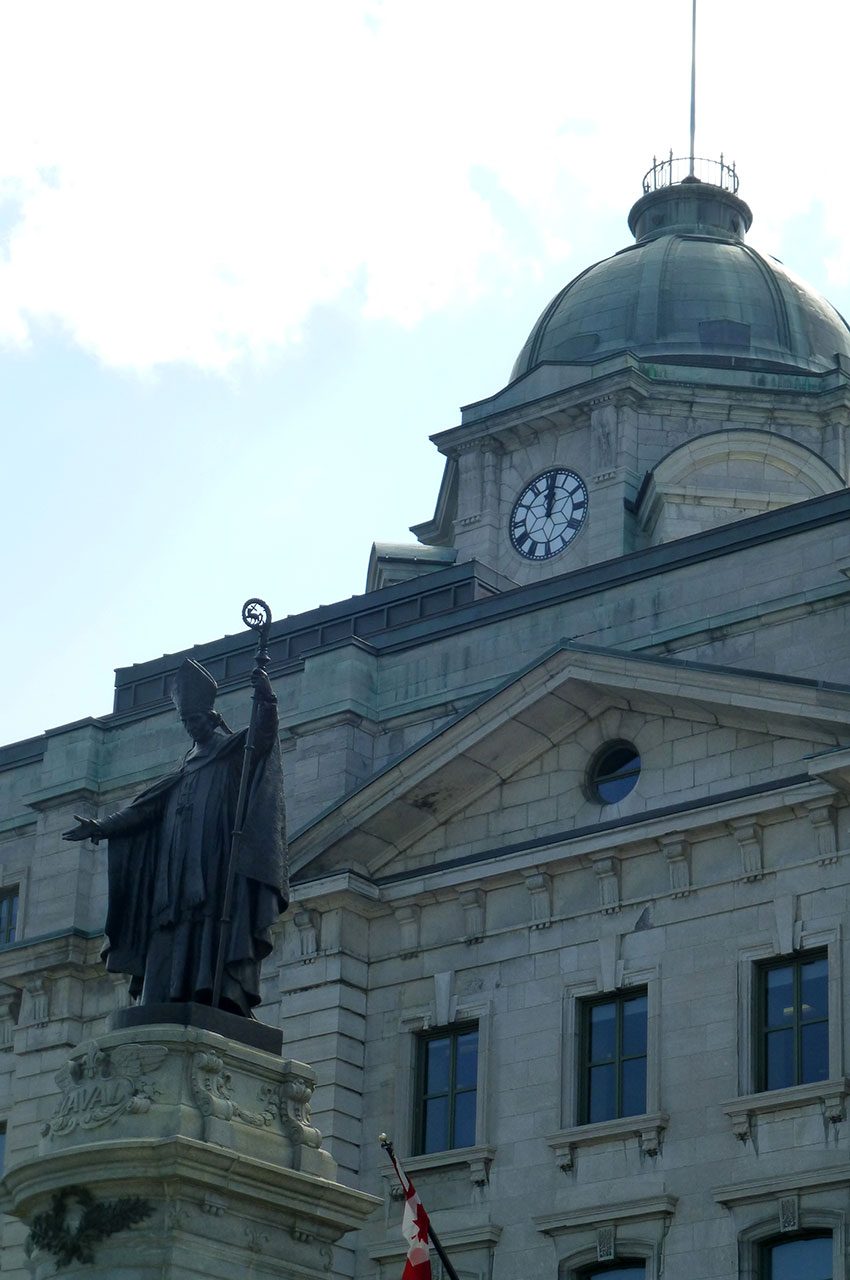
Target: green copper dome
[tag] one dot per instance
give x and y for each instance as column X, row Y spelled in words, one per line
column 689, row 291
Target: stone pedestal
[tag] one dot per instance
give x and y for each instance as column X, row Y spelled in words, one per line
column 176, row 1152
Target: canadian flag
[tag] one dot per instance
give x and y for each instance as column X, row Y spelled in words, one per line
column 414, row 1227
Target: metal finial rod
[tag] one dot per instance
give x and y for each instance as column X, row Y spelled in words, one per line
column 693, row 79
column 257, row 615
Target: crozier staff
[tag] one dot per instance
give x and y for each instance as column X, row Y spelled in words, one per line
column 169, row 852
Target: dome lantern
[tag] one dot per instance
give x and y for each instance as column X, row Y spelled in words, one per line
column 690, row 205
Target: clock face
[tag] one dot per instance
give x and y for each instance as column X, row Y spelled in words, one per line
column 548, row 514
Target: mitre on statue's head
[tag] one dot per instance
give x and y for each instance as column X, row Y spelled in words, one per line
column 193, row 689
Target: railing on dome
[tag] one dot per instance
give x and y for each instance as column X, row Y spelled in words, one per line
column 669, row 172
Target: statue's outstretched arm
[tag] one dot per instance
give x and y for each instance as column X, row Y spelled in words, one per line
column 133, row 818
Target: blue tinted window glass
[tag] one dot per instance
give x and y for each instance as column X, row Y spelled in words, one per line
column 780, row 1059
column 436, row 1135
column 813, row 993
column 602, row 1100
column 634, row 1026
column 603, row 1031
column 437, row 1055
column 814, row 1048
column 464, row 1134
column 616, row 773
column 794, row 1015
column 634, row 1087
column 466, row 1068
column 613, row 790
column 780, row 996
column 8, row 915
column 614, row 1057
column 446, row 1101
column 802, row 1259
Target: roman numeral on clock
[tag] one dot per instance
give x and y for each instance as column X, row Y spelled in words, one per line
column 543, row 504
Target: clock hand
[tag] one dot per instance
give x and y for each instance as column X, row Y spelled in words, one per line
column 550, row 495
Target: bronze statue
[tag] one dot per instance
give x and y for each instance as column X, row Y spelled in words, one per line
column 197, row 862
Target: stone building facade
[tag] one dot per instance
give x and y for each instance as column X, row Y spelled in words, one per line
column 568, row 798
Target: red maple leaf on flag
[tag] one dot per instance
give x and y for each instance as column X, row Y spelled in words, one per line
column 420, row 1222
column 415, row 1225
column 415, row 1228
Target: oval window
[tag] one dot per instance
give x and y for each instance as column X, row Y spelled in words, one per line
column 614, row 772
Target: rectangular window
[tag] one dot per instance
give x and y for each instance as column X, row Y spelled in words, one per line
column 793, row 1021
column 8, row 914
column 447, row 1083
column 613, row 1057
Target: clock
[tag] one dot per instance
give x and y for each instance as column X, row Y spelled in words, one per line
column 548, row 514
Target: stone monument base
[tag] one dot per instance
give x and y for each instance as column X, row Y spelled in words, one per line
column 242, row 1030
column 175, row 1153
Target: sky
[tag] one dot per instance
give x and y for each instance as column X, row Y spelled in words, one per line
column 253, row 254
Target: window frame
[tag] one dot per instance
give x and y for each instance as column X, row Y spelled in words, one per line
column 788, row 939
column 758, row 1208
column 596, row 780
column 795, row 961
column 452, row 1033
column 11, row 893
column 592, row 1270
column 619, row 998
column 638, row 1238
column 764, row 1260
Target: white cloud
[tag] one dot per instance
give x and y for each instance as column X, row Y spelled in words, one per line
column 191, row 179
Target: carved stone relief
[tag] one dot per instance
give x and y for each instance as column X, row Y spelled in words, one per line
column 99, row 1086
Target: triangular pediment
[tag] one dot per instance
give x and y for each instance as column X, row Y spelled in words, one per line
column 515, row 766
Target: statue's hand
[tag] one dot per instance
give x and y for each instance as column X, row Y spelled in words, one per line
column 262, row 685
column 86, row 829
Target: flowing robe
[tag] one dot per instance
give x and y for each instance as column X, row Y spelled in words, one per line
column 168, row 857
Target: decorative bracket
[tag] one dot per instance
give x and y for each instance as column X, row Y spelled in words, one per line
column 789, row 1213
column 748, row 835
column 308, row 924
column 212, row 1088
column 650, row 1139
column 35, row 1005
column 10, row 1007
column 408, row 919
column 608, row 880
column 606, row 1243
column 833, row 1106
column 822, row 818
column 479, row 1169
column 472, row 901
column 677, row 852
column 741, row 1125
column 539, row 886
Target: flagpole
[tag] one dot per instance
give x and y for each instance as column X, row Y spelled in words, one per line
column 435, row 1239
column 693, row 80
